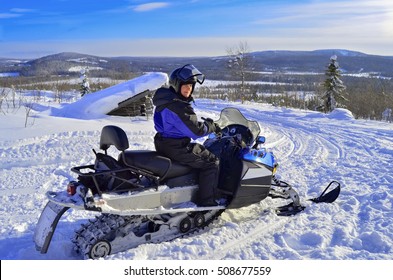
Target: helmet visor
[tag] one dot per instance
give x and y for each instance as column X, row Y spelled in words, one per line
column 189, row 73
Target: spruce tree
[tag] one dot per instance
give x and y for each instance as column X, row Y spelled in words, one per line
column 85, row 86
column 334, row 94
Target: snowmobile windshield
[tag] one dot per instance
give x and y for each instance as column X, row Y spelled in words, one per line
column 232, row 116
column 189, row 73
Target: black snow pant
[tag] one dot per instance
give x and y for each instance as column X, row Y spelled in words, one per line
column 196, row 156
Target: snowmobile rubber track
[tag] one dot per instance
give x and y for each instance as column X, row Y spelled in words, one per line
column 109, row 234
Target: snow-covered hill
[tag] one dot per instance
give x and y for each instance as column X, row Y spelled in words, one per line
column 312, row 148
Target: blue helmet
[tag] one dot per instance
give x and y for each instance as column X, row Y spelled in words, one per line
column 188, row 74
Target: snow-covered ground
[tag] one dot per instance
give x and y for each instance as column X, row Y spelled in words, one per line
column 312, row 148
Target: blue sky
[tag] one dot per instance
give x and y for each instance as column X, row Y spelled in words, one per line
column 31, row 29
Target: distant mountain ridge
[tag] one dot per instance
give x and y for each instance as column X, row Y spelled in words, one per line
column 215, row 67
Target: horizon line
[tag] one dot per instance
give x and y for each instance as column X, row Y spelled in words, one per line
column 193, row 56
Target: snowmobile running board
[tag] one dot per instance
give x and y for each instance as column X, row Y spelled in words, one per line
column 157, row 202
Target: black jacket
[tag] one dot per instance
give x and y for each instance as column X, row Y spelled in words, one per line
column 174, row 116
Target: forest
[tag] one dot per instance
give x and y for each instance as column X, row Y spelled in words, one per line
column 281, row 80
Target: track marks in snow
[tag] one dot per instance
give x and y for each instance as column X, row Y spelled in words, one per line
column 241, row 234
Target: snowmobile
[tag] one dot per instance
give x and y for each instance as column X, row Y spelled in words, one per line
column 143, row 197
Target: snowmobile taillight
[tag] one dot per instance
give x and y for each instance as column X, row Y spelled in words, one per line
column 71, row 188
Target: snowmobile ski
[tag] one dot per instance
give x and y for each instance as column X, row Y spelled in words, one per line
column 325, row 197
column 331, row 196
column 289, row 210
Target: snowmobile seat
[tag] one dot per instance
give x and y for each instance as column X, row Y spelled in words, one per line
column 161, row 166
column 113, row 135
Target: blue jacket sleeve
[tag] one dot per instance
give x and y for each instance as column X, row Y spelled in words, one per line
column 181, row 121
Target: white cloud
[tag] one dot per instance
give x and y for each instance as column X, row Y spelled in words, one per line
column 9, row 15
column 362, row 25
column 19, row 10
column 150, row 6
column 317, row 14
column 15, row 12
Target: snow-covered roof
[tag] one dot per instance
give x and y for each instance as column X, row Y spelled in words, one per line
column 100, row 103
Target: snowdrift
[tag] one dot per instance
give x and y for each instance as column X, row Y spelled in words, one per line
column 341, row 114
column 97, row 104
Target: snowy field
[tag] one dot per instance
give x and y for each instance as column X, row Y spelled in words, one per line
column 312, row 149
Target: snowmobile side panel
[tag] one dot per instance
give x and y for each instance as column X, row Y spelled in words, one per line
column 248, row 194
column 148, row 202
column 152, row 199
column 47, row 224
column 254, row 187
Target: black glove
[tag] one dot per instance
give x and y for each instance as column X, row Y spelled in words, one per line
column 212, row 126
column 217, row 129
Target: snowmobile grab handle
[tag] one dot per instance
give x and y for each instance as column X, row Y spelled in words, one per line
column 77, row 169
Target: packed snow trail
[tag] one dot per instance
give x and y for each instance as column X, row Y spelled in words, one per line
column 312, row 149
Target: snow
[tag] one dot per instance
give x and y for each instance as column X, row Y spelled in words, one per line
column 341, row 114
column 97, row 104
column 81, row 68
column 312, row 148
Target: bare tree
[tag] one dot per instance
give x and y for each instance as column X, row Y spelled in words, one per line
column 29, row 104
column 3, row 97
column 240, row 63
column 28, row 107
